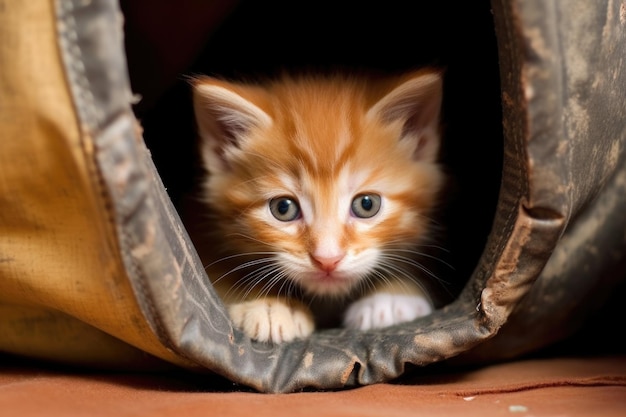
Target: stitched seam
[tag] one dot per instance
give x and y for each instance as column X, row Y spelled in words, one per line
column 88, row 117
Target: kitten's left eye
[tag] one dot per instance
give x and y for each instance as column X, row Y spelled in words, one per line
column 284, row 209
column 366, row 205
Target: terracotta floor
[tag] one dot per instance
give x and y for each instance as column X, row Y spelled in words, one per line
column 561, row 386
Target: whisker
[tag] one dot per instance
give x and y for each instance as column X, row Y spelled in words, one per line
column 391, row 260
column 425, row 255
column 238, row 255
column 245, row 265
column 400, row 244
column 252, row 279
column 280, row 278
column 367, row 284
column 393, row 271
column 274, row 278
column 412, row 262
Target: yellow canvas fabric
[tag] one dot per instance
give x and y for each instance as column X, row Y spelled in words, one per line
column 63, row 288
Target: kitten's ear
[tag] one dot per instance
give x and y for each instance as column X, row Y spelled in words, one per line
column 416, row 103
column 224, row 118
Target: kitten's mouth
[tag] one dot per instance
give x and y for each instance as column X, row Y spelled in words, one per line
column 327, row 283
column 329, row 277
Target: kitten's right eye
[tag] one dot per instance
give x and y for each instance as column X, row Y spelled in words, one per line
column 284, row 209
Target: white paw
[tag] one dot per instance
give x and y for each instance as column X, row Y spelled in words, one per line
column 382, row 310
column 272, row 320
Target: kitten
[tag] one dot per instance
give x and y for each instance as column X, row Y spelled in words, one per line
column 321, row 190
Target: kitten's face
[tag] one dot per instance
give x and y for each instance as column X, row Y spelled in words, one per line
column 329, row 179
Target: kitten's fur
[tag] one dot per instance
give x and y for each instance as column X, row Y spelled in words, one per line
column 318, row 153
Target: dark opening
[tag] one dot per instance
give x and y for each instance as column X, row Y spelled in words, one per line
column 168, row 40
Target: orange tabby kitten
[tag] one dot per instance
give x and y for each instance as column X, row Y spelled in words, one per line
column 323, row 187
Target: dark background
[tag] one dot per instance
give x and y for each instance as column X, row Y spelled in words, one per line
column 166, row 43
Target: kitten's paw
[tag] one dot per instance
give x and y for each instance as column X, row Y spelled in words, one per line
column 382, row 310
column 272, row 320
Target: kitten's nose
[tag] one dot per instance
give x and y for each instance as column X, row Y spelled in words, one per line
column 327, row 263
